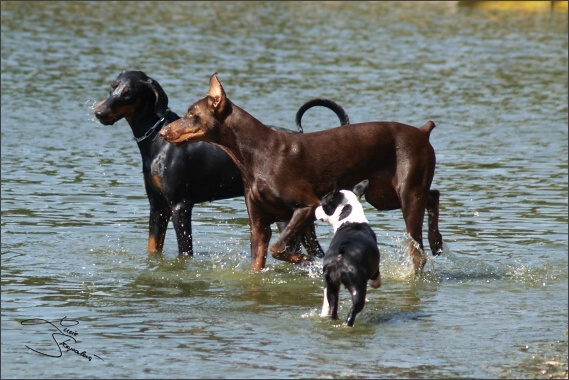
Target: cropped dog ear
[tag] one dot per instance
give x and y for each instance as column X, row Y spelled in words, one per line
column 161, row 102
column 216, row 91
column 361, row 188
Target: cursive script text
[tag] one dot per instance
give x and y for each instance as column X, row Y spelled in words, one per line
column 62, row 336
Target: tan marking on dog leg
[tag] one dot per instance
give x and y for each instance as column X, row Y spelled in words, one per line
column 152, row 245
column 157, row 182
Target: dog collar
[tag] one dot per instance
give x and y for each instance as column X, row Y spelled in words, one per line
column 151, row 130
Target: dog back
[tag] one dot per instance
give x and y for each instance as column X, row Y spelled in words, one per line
column 353, row 249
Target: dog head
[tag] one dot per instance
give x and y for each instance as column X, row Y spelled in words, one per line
column 131, row 93
column 343, row 206
column 201, row 122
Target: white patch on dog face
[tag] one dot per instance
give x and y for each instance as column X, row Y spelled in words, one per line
column 118, row 91
column 339, row 217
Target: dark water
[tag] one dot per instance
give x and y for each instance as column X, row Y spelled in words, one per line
column 74, row 210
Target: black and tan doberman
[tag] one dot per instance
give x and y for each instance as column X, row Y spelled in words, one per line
column 176, row 178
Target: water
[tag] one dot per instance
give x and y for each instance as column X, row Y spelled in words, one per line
column 74, row 210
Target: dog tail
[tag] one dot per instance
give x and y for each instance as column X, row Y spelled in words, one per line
column 427, row 127
column 323, row 102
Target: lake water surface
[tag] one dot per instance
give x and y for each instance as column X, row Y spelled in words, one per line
column 74, row 209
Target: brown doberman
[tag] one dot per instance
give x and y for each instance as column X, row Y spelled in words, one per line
column 285, row 174
column 176, row 178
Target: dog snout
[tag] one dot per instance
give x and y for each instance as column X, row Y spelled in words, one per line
column 182, row 131
column 98, row 112
column 167, row 133
column 319, row 213
column 172, row 133
column 103, row 113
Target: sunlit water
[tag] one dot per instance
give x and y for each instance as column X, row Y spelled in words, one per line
column 74, row 210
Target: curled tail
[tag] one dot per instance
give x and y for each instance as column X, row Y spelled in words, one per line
column 338, row 110
column 427, row 127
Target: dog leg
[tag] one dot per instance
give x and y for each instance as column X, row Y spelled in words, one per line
column 295, row 246
column 381, row 196
column 435, row 237
column 306, row 239
column 160, row 213
column 260, row 237
column 182, row 220
column 296, row 224
column 325, row 305
column 260, row 225
column 413, row 208
column 358, row 291
column 332, row 293
column 310, row 241
column 156, row 237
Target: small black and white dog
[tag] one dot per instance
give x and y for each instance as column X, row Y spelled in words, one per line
column 353, row 256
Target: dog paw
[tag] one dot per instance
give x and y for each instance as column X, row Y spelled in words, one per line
column 375, row 283
column 437, row 250
column 292, row 258
column 301, row 259
column 436, row 244
column 279, row 249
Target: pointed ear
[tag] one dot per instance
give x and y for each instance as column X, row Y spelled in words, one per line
column 361, row 188
column 216, row 91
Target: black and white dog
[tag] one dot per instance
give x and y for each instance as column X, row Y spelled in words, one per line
column 353, row 256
